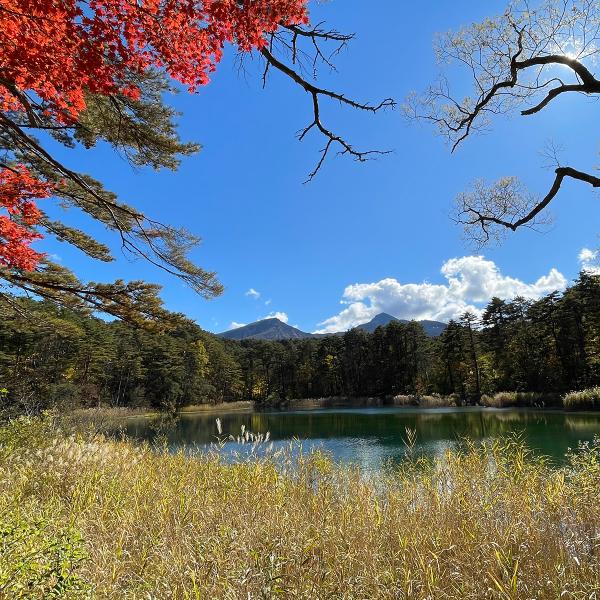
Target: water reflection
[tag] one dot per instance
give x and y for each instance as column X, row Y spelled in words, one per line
column 371, row 437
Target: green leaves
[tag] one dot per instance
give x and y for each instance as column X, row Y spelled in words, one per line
column 40, row 562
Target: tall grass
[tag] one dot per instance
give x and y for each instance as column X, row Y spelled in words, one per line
column 520, row 399
column 425, row 401
column 136, row 523
column 585, row 400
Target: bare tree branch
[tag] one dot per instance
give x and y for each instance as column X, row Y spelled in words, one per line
column 514, row 61
column 506, row 205
column 332, row 139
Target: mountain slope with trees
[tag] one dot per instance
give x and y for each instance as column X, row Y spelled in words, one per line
column 266, row 329
column 431, row 328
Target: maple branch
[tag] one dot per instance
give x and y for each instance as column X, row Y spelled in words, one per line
column 315, row 35
column 317, row 92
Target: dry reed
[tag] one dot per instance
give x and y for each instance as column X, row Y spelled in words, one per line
column 492, row 522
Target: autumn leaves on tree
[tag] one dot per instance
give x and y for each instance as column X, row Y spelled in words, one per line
column 85, row 71
column 71, row 69
column 82, row 72
column 18, row 192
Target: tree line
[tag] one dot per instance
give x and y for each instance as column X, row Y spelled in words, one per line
column 56, row 357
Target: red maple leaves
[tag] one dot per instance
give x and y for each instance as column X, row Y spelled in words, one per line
column 18, row 189
column 56, row 50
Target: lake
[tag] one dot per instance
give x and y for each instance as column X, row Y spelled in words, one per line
column 374, row 437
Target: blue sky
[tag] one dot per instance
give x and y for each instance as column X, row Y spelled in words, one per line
column 382, row 227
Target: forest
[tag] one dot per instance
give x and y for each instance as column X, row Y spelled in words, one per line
column 54, row 357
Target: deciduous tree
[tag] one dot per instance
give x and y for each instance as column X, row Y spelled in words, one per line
column 531, row 56
column 82, row 72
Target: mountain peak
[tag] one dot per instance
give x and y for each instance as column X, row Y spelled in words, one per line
column 271, row 328
column 386, row 316
column 432, row 328
column 380, row 320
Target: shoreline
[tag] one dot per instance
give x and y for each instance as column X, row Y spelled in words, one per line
column 128, row 509
column 147, row 412
column 315, row 404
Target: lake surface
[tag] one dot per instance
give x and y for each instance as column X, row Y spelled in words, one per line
column 374, row 437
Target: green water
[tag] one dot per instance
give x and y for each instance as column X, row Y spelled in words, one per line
column 373, row 437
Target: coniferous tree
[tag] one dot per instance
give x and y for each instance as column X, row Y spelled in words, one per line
column 55, row 357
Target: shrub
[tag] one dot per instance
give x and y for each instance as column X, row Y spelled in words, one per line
column 405, row 400
column 437, row 401
column 39, row 563
column 584, row 400
column 518, row 399
column 425, row 401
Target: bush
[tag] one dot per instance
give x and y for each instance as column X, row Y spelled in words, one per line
column 405, row 400
column 518, row 399
column 38, row 562
column 585, row 400
column 425, row 401
column 437, row 401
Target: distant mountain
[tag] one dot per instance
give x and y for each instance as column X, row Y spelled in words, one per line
column 274, row 329
column 380, row 320
column 432, row 328
column 267, row 329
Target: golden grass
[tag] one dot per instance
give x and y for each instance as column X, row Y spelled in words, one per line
column 425, row 401
column 221, row 408
column 584, row 400
column 493, row 522
column 111, row 412
column 520, row 399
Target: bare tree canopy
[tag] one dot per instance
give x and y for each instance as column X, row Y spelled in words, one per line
column 521, row 61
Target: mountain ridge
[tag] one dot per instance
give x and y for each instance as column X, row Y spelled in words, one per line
column 275, row 330
column 265, row 329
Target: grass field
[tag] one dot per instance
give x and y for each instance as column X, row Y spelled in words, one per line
column 86, row 517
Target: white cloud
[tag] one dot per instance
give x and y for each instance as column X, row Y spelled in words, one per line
column 590, row 260
column 471, row 282
column 277, row 315
column 234, row 325
column 268, row 302
column 253, row 293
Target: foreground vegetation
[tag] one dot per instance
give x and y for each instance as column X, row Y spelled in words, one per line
column 85, row 517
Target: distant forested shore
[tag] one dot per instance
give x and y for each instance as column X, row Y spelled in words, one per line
column 519, row 352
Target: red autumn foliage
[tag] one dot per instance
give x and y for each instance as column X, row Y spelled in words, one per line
column 59, row 49
column 18, row 189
